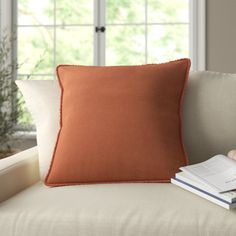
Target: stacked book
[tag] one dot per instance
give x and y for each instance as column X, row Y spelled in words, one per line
column 214, row 180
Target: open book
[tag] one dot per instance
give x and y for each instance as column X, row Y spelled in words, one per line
column 214, row 180
column 219, row 173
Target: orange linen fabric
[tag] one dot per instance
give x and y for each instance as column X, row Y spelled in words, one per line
column 119, row 124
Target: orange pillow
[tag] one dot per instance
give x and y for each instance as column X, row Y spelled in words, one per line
column 119, row 124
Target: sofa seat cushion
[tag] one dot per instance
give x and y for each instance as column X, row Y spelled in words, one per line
column 113, row 210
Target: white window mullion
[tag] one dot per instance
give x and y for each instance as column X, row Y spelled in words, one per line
column 96, row 39
column 146, row 31
column 6, row 16
column 54, row 36
column 102, row 35
column 99, row 37
column 197, row 34
column 8, row 27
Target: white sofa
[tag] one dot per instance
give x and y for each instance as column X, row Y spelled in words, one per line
column 29, row 208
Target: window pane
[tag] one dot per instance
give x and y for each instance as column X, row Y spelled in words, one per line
column 125, row 11
column 162, row 11
column 167, row 42
column 74, row 45
column 125, row 45
column 35, row 50
column 74, row 12
column 34, row 12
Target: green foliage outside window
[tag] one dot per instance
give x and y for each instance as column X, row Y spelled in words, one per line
column 9, row 112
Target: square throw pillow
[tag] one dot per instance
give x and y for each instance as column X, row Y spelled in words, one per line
column 42, row 98
column 119, row 124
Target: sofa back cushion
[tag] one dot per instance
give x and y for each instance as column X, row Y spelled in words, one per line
column 209, row 115
column 119, row 124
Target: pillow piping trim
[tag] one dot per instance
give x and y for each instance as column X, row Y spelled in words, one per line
column 180, row 110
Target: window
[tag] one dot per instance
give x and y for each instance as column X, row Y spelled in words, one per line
column 51, row 32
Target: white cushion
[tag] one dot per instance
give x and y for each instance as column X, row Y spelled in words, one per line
column 209, row 119
column 43, row 101
column 113, row 209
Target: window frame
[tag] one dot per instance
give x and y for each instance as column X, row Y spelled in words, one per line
column 197, row 30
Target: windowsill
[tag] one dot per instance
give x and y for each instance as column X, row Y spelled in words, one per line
column 26, row 135
column 21, row 140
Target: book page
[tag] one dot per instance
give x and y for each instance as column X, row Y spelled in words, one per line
column 219, row 172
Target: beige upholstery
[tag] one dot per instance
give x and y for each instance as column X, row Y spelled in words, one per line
column 113, row 210
column 209, row 119
column 18, row 172
column 104, row 210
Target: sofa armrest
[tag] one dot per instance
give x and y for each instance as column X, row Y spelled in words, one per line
column 18, row 172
